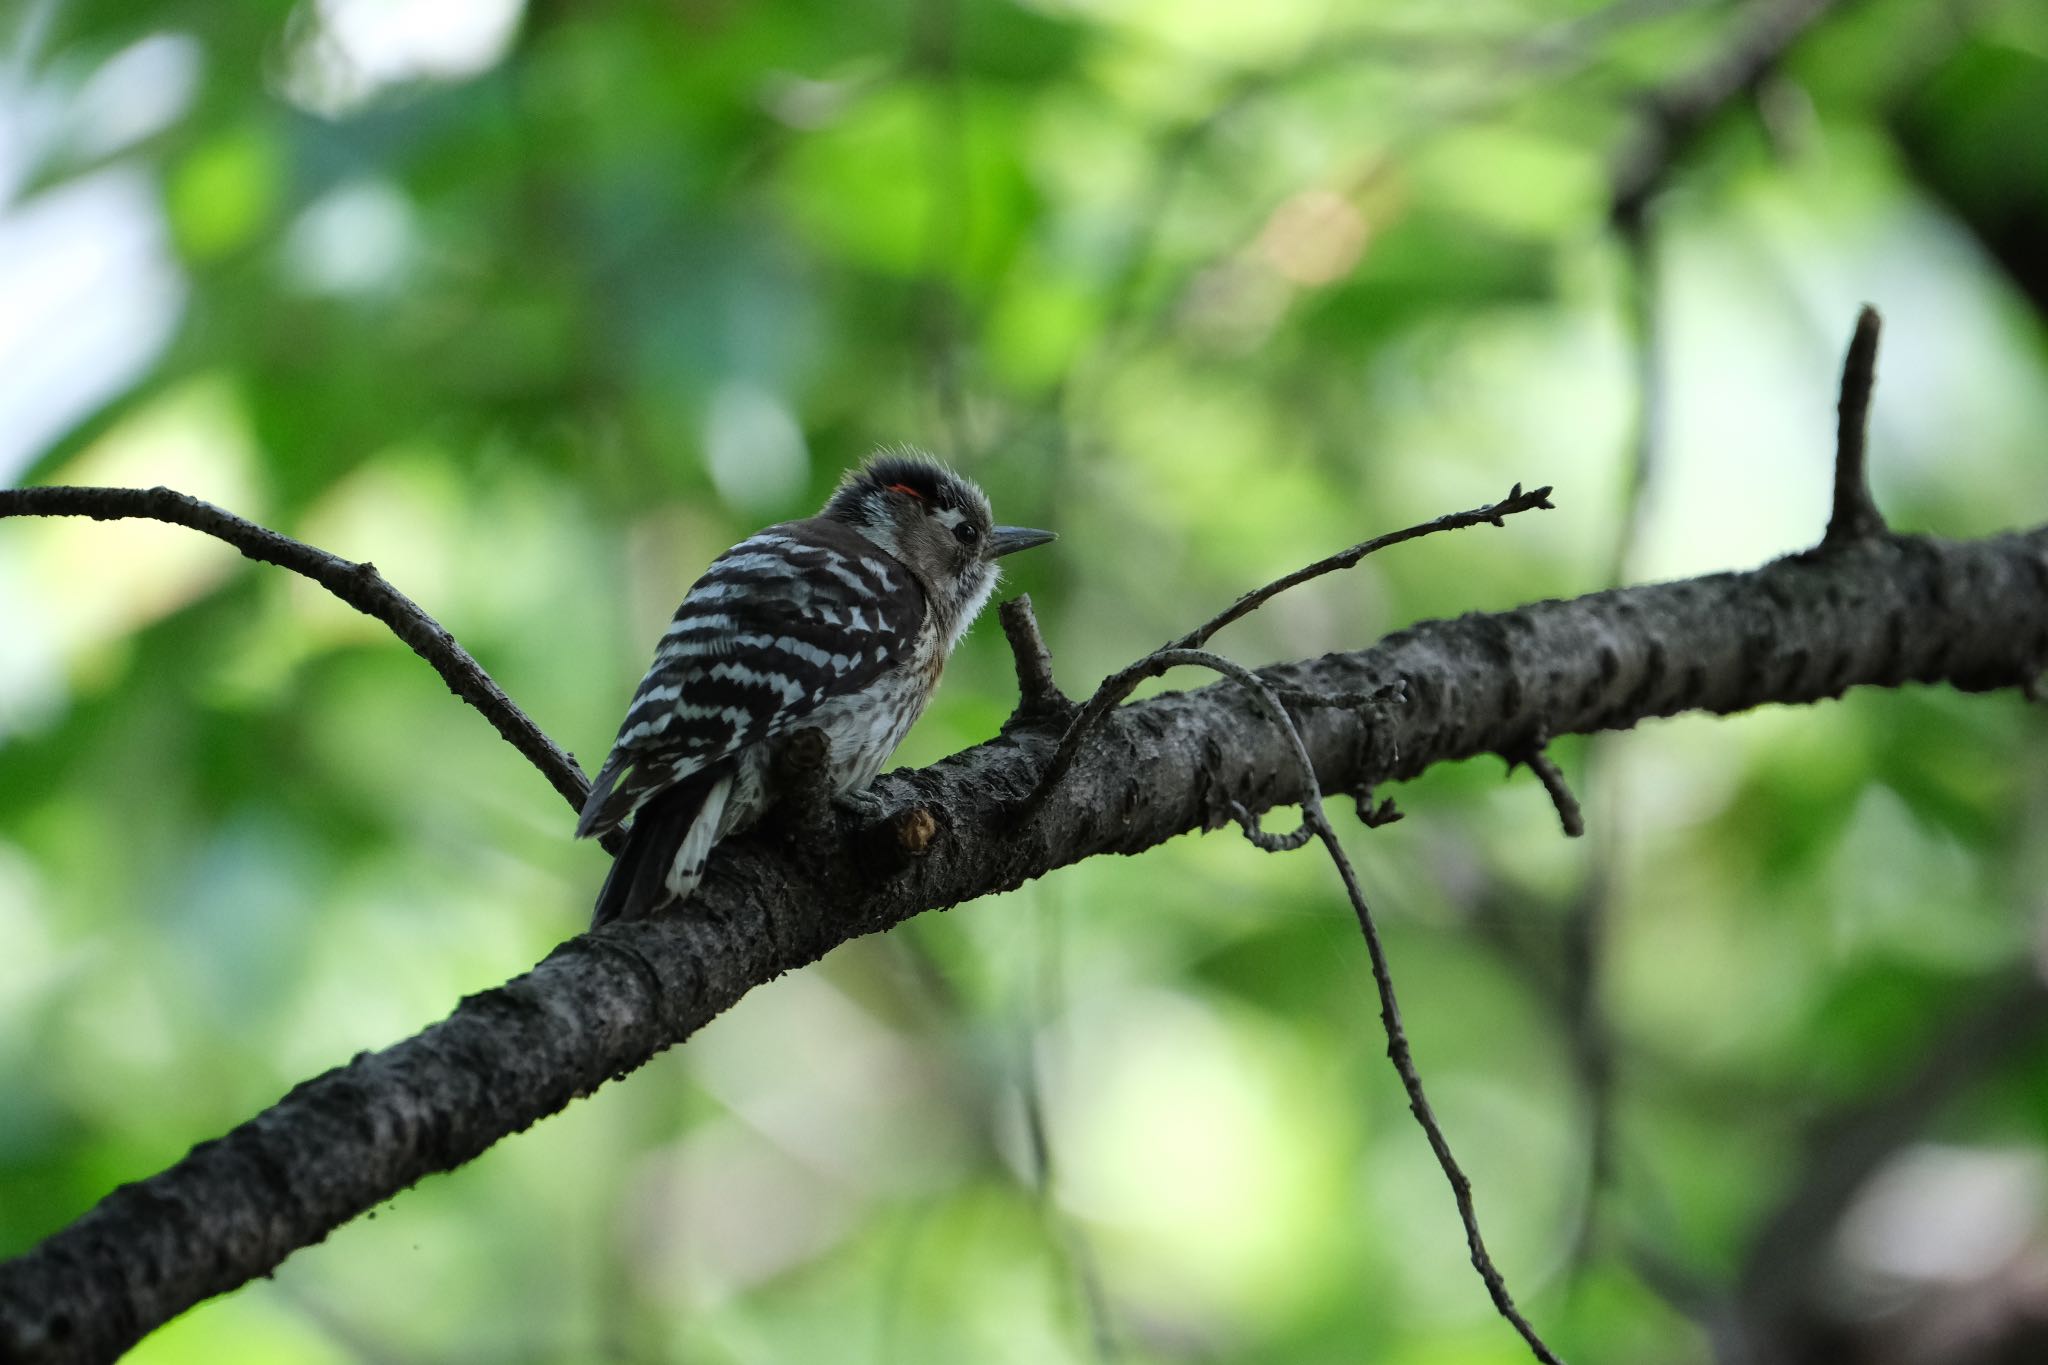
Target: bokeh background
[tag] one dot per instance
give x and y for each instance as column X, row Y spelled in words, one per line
column 540, row 306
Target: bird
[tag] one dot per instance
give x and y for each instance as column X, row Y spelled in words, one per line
column 842, row 621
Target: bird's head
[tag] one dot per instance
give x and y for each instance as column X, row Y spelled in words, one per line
column 937, row 524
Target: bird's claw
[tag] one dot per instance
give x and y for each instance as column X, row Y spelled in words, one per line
column 862, row 806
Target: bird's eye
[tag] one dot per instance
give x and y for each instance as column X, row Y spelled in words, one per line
column 965, row 533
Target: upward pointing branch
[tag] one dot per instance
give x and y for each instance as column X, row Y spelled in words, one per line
column 1855, row 515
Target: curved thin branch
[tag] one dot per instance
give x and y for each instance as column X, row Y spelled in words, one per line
column 1535, row 756
column 1119, row 685
column 1878, row 612
column 358, row 584
column 1316, row 822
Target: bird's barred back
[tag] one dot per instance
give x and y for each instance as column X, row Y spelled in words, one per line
column 783, row 621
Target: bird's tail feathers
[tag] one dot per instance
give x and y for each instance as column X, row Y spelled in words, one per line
column 665, row 851
column 599, row 813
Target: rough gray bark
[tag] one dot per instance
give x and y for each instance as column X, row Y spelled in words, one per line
column 1881, row 611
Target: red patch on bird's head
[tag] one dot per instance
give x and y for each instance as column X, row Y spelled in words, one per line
column 906, row 490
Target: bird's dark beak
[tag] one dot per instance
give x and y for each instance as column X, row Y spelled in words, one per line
column 1007, row 540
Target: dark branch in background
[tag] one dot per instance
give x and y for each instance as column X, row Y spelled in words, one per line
column 1509, row 66
column 1646, row 338
column 1669, row 122
column 1883, row 612
column 934, row 57
column 1071, row 1242
column 1958, row 92
column 1675, row 116
column 358, row 584
column 1855, row 515
column 1778, row 1277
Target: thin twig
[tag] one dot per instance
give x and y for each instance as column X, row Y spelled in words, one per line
column 1493, row 514
column 358, row 584
column 1538, row 761
column 1854, row 515
column 1121, row 684
column 1038, row 694
column 1315, row 821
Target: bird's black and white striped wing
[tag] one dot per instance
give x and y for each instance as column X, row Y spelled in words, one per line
column 785, row 619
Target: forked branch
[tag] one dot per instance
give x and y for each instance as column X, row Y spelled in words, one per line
column 1118, row 686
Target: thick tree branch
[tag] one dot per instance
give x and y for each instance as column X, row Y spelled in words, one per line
column 358, row 584
column 1882, row 612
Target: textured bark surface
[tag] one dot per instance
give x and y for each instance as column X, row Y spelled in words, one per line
column 1879, row 612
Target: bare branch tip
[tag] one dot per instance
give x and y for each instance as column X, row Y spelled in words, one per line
column 1377, row 816
column 1537, row 759
column 1038, row 694
column 1854, row 515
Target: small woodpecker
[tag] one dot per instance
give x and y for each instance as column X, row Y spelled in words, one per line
column 842, row 621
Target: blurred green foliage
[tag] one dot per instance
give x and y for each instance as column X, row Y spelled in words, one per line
column 539, row 310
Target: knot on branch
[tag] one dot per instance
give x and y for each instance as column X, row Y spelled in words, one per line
column 915, row 829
